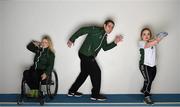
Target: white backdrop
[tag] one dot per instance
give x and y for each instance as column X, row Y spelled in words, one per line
column 22, row 21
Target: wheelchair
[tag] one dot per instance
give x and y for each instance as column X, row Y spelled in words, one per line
column 51, row 87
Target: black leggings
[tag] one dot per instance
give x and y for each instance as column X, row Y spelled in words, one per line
column 89, row 67
column 32, row 78
column 149, row 74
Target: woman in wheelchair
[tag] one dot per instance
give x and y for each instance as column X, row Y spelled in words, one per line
column 42, row 66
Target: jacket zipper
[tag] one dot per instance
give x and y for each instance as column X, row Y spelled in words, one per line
column 38, row 58
column 100, row 43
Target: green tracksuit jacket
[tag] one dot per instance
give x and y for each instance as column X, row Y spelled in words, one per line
column 44, row 58
column 95, row 40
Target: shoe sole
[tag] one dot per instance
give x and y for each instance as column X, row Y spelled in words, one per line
column 95, row 99
column 77, row 95
column 70, row 95
column 148, row 104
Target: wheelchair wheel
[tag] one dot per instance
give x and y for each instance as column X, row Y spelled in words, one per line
column 20, row 101
column 52, row 84
column 41, row 102
column 21, row 97
column 41, row 98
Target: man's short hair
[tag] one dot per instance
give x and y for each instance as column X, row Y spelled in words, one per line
column 109, row 21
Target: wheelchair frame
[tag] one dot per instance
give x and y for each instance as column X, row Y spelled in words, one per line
column 48, row 82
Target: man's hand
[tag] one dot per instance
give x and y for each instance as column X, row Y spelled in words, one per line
column 43, row 76
column 118, row 39
column 69, row 43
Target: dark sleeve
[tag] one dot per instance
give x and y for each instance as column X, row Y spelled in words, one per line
column 107, row 46
column 50, row 65
column 80, row 32
column 32, row 47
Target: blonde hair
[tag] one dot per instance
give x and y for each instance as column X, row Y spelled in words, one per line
column 48, row 38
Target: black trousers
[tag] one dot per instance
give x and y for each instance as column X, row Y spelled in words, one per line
column 32, row 77
column 149, row 74
column 89, row 67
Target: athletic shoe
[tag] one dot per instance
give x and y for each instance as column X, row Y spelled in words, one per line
column 33, row 93
column 148, row 100
column 76, row 94
column 99, row 98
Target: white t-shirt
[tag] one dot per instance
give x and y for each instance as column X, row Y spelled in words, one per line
column 148, row 55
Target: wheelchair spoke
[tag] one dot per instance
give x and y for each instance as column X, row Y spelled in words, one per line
column 52, row 85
